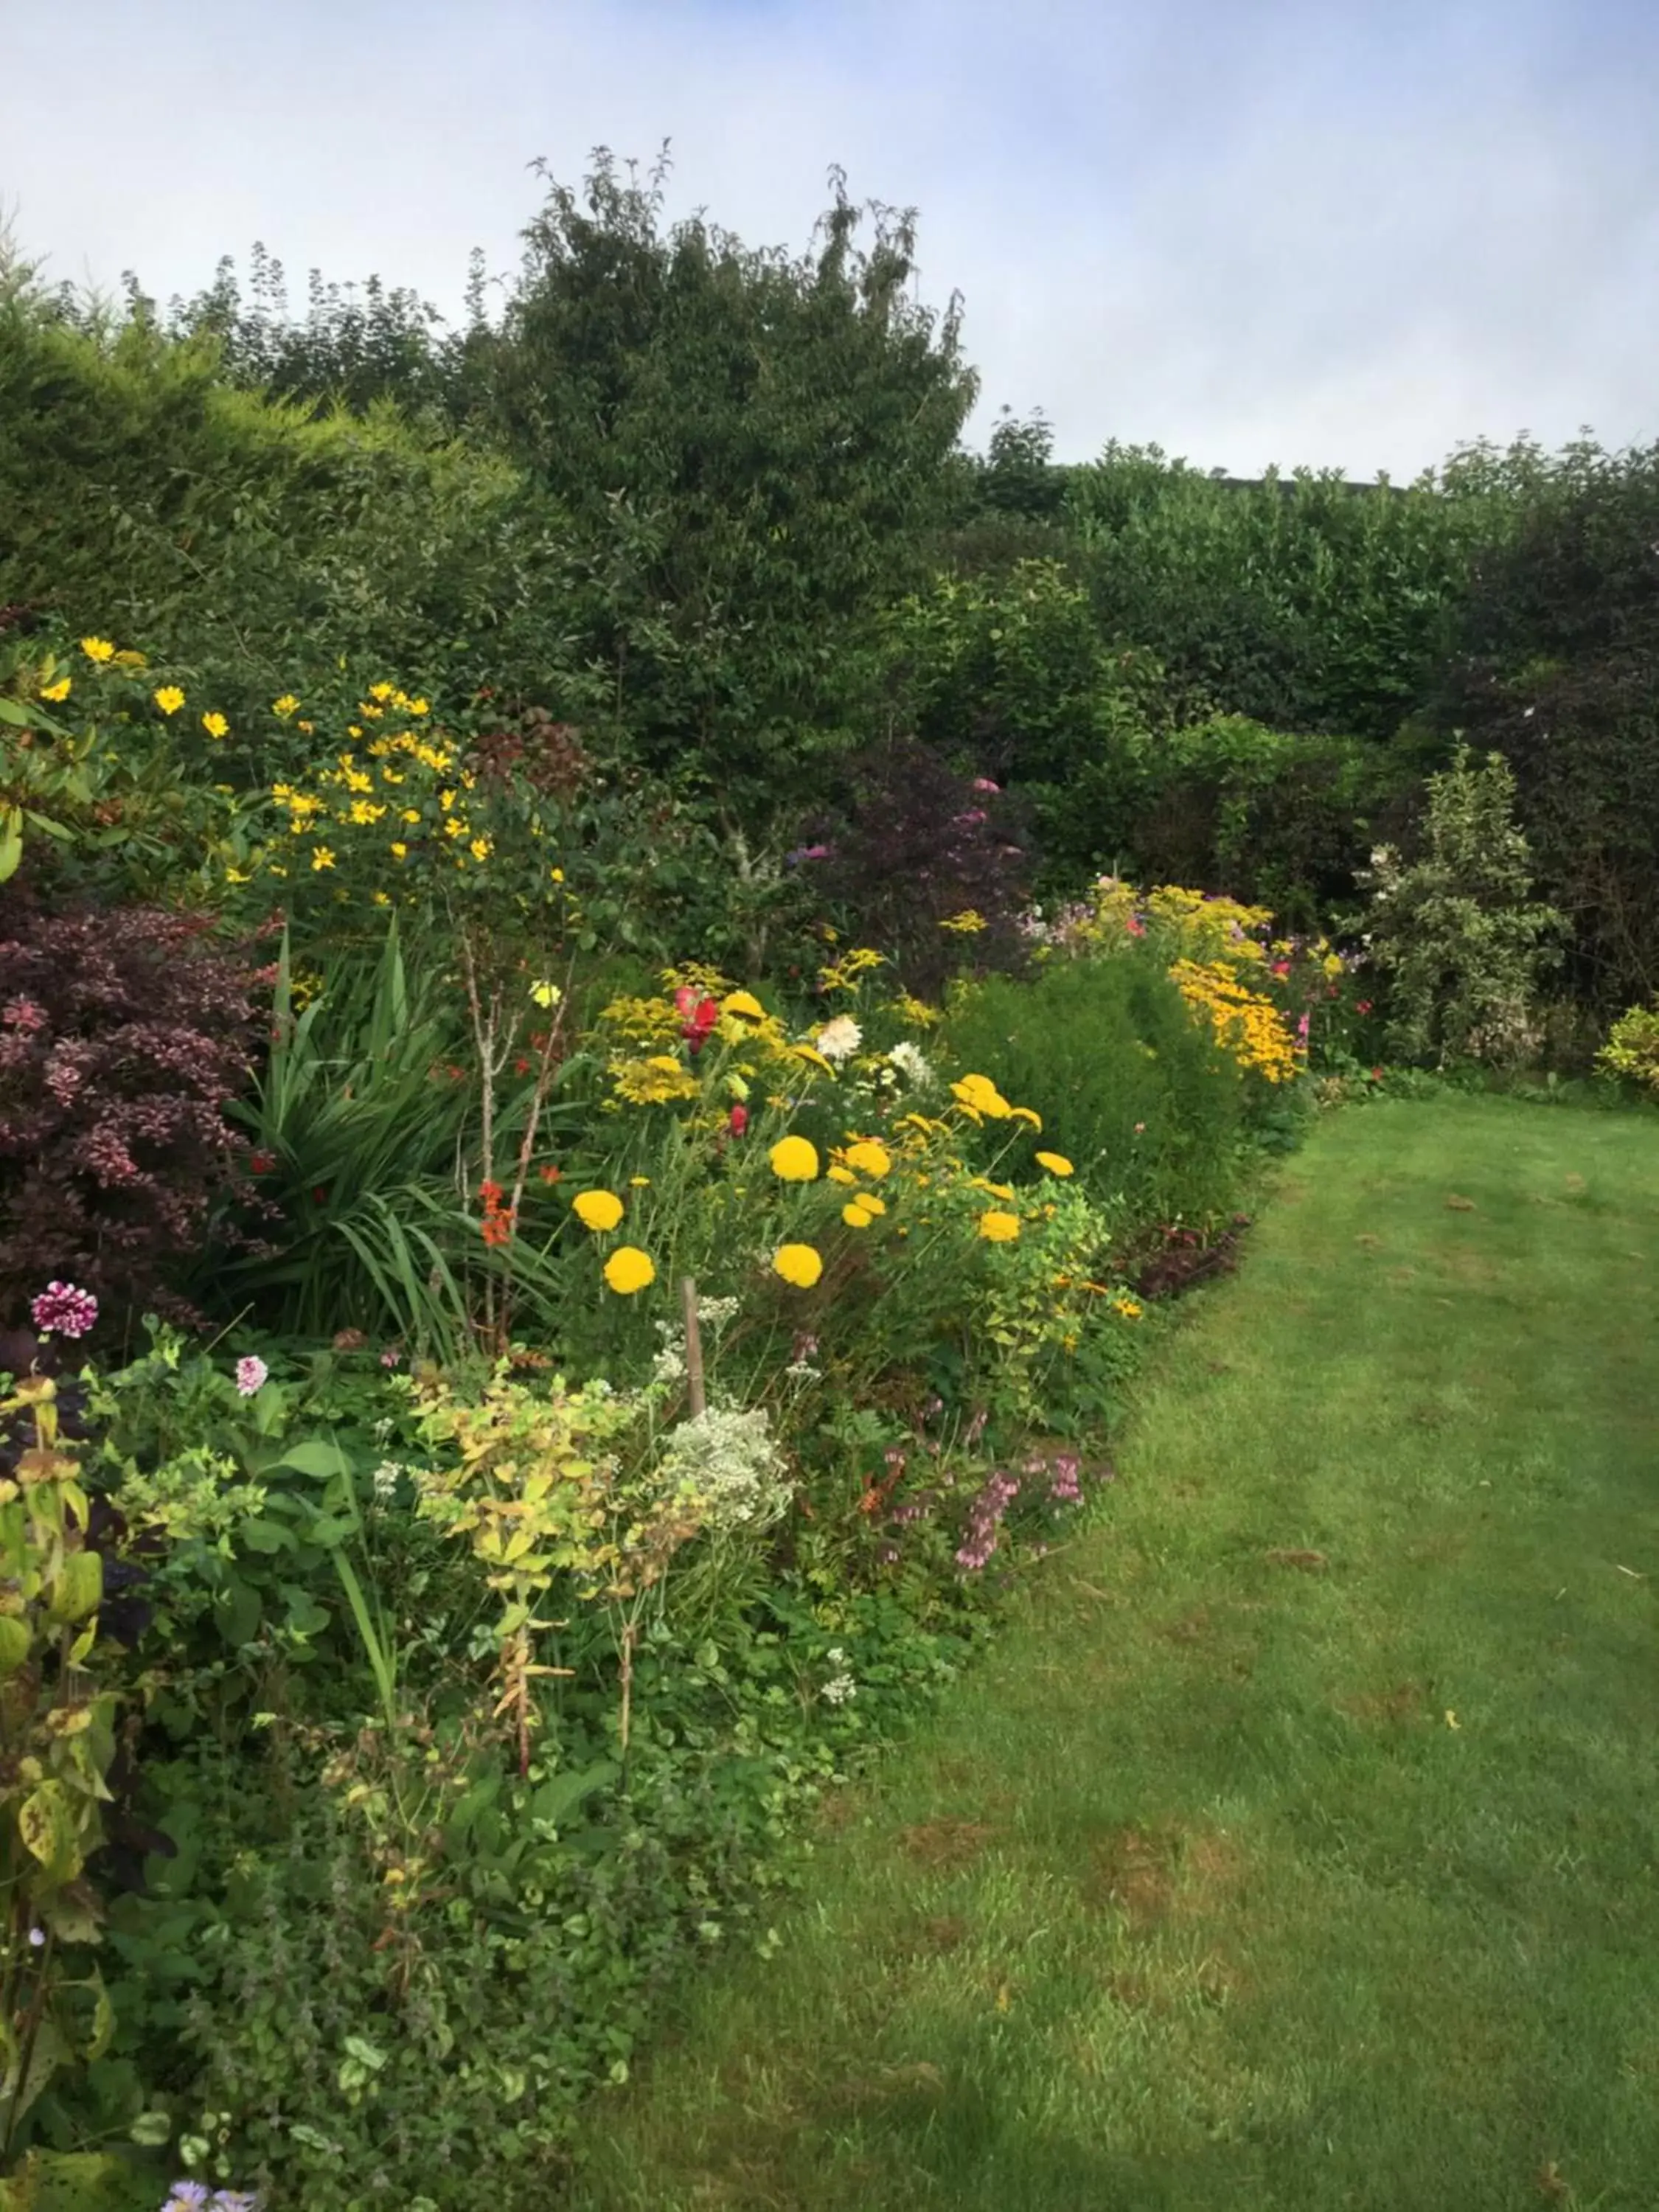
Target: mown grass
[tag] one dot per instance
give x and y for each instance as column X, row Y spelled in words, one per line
column 1297, row 1847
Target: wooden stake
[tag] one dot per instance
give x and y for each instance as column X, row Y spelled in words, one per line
column 693, row 1383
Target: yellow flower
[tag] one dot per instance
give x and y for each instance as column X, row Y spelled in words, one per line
column 287, row 705
column 998, row 1227
column 1057, row 1162
column 798, row 1264
column 215, row 725
column 169, row 698
column 869, row 1202
column 419, row 707
column 994, row 1190
column 308, row 727
column 400, row 851
column 381, row 691
column 479, row 849
column 56, row 692
column 557, row 875
column 97, row 649
column 1129, row 1307
column 628, row 1269
column 811, row 1053
column 743, row 1002
column 794, row 1160
column 322, row 858
column 236, row 876
column 1025, row 1114
column 446, row 800
column 412, row 814
column 980, row 1096
column 598, row 1210
column 856, row 1217
column 869, row 1158
column 639, row 1182
column 841, row 1174
column 381, row 899
column 966, row 923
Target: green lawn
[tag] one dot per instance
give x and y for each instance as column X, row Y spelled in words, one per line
column 1298, row 1847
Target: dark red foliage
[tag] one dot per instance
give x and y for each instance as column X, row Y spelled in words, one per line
column 122, row 1033
column 1180, row 1259
column 919, row 844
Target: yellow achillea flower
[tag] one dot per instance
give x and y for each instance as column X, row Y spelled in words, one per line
column 800, row 1264
column 169, row 698
column 743, row 1002
column 628, row 1269
column 657, row 1081
column 97, row 649
column 598, row 1210
column 856, row 1217
column 1026, row 1113
column 839, row 1174
column 993, row 1189
column 869, row 1202
column 869, row 1158
column 965, row 924
column 58, row 692
column 1057, row 1162
column 980, row 1096
column 998, row 1227
column 215, row 725
column 795, row 1159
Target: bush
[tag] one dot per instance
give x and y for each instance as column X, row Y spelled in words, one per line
column 1632, row 1050
column 1455, row 932
column 123, row 1035
column 1139, row 1095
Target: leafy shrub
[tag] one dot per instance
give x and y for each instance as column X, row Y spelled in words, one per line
column 1455, row 933
column 932, row 864
column 1141, row 1097
column 1631, row 1051
column 123, row 1035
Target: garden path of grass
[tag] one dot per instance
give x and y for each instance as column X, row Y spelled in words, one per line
column 1297, row 1847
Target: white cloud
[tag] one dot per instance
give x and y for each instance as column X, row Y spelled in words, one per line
column 1249, row 232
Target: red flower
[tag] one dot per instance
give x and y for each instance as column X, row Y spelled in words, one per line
column 491, row 1193
column 521, row 1066
column 1281, row 967
column 1377, row 1075
column 549, row 1174
column 261, row 1162
column 319, row 1194
column 1362, row 1006
column 698, row 1016
column 737, row 1121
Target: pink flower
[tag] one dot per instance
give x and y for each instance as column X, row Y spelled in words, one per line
column 64, row 1310
column 392, row 1355
column 252, row 1374
column 984, row 783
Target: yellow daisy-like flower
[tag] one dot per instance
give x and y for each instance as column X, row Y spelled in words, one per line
column 287, row 705
column 598, row 1210
column 743, row 1002
column 869, row 1158
column 381, row 691
column 628, row 1269
column 812, row 1056
column 800, row 1264
column 795, row 1159
column 856, row 1217
column 1057, row 1162
column 169, row 698
column 997, row 1228
column 1001, row 1190
column 56, row 692
column 97, row 649
column 400, row 851
column 215, row 725
column 412, row 814
column 419, row 707
column 841, row 1174
column 382, row 898
column 479, row 849
column 322, row 858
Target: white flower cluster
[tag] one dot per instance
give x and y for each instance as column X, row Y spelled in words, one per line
column 912, row 1064
column 727, row 1460
column 842, row 1686
column 669, row 1363
column 840, row 1039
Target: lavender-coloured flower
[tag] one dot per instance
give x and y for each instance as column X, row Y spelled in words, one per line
column 38, row 1938
column 187, row 2196
column 62, row 1311
column 252, row 1374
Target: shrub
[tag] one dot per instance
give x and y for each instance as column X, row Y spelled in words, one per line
column 1632, row 1049
column 1456, row 931
column 123, row 1035
column 932, row 864
column 1140, row 1097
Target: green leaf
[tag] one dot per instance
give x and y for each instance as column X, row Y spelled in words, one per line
column 15, row 1643
column 11, row 839
column 46, row 1824
column 560, row 1796
column 318, row 1455
column 78, row 1590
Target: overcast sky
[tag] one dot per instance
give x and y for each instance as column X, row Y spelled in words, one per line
column 1352, row 234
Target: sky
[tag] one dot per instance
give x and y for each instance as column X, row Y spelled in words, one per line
column 1353, row 234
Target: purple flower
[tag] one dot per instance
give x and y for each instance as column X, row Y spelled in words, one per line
column 62, row 1308
column 187, row 2196
column 251, row 1374
column 38, row 1937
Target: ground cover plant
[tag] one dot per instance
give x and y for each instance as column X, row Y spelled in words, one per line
column 1340, row 1698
